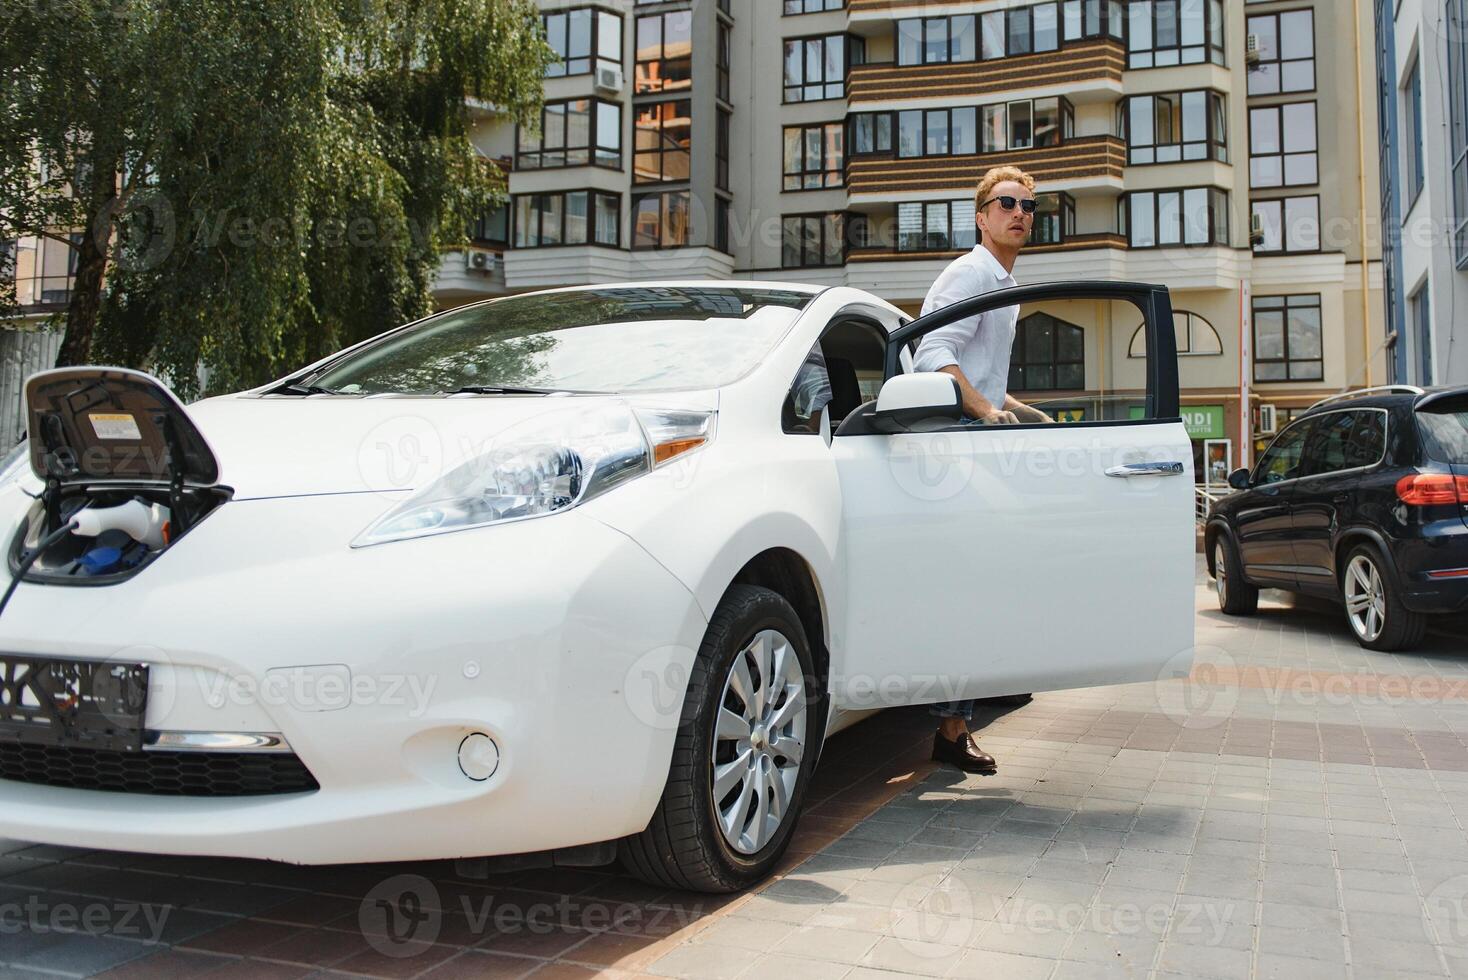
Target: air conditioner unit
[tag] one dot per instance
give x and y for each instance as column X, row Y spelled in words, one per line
column 1251, row 49
column 1256, row 229
column 476, row 260
column 608, row 79
column 1268, row 420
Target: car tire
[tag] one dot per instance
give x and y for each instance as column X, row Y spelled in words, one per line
column 1235, row 596
column 686, row 844
column 1374, row 609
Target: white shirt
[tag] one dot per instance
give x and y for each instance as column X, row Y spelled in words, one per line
column 979, row 345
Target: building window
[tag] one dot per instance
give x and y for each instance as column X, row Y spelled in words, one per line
column 983, row 129
column 572, row 134
column 492, row 227
column 567, row 218
column 1286, row 46
column 1287, row 338
column 581, row 37
column 1174, row 32
column 721, row 151
column 660, row 220
column 1282, row 145
column 1175, row 126
column 44, row 269
column 1458, row 124
column 662, row 134
column 1049, row 355
column 1194, row 335
column 812, row 240
column 1084, row 19
column 941, row 226
column 932, row 40
column 871, row 132
column 722, row 64
column 1055, row 219
column 664, row 52
column 1291, row 224
column 1421, row 313
column 793, row 7
column 1191, row 216
column 723, row 215
column 815, row 67
column 815, row 156
column 1412, row 132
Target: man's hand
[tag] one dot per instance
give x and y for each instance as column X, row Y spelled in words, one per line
column 999, row 416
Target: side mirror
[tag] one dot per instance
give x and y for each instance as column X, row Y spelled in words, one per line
column 908, row 401
column 1239, row 479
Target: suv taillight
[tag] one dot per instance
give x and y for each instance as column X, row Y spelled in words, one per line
column 1433, row 489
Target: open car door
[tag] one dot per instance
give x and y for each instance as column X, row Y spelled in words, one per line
column 988, row 560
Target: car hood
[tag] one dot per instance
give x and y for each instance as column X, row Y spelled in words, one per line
column 283, row 446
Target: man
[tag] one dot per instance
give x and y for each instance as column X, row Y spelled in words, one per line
column 975, row 351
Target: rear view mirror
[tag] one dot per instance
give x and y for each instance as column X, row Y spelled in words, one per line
column 1239, row 479
column 923, row 400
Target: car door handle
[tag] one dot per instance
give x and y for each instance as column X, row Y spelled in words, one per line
column 1160, row 468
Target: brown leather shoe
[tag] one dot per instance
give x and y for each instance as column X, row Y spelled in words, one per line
column 964, row 754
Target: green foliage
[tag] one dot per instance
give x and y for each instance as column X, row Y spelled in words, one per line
column 287, row 172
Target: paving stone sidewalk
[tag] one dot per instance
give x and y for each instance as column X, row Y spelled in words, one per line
column 1295, row 809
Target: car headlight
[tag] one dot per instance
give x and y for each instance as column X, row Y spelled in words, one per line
column 547, row 465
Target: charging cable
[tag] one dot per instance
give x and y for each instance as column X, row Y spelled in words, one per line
column 30, row 559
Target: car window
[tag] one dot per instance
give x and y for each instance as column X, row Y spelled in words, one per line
column 1444, row 429
column 1368, row 442
column 809, row 394
column 1328, row 448
column 1282, row 460
column 599, row 339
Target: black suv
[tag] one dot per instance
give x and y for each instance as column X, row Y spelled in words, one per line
column 1364, row 498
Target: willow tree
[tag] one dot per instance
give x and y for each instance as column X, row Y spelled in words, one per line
column 250, row 184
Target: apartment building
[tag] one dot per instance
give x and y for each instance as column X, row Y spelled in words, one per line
column 1422, row 64
column 1227, row 149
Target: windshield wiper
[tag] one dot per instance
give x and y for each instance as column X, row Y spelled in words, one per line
column 499, row 390
column 300, row 389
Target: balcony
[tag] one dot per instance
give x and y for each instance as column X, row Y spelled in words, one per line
column 1072, row 243
column 1095, row 65
column 1084, row 159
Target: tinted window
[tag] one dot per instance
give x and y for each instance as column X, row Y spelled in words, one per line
column 646, row 338
column 1444, row 428
column 1282, row 460
column 1344, row 440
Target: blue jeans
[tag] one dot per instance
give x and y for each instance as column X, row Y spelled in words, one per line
column 953, row 709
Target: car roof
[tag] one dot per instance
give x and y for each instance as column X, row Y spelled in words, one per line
column 1388, row 396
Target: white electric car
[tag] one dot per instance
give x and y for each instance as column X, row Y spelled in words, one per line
column 589, row 573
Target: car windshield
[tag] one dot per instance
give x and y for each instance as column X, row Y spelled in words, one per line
column 1444, row 427
column 616, row 339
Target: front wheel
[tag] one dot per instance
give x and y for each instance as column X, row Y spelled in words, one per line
column 1373, row 605
column 1235, row 596
column 747, row 742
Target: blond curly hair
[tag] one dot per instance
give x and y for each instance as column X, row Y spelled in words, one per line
column 997, row 176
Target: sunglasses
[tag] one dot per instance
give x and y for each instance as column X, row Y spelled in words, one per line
column 1007, row 202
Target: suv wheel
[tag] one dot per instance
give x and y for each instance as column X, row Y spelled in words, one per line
column 1373, row 605
column 1235, row 596
column 748, row 739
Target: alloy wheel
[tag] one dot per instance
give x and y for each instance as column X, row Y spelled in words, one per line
column 1220, row 574
column 1365, row 598
column 759, row 741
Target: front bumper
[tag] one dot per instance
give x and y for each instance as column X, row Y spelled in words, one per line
column 557, row 637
